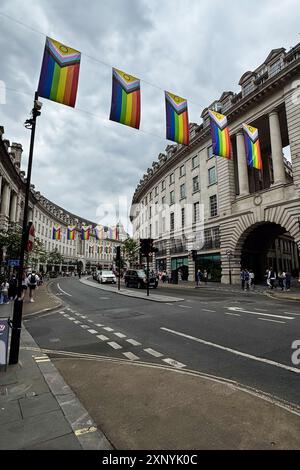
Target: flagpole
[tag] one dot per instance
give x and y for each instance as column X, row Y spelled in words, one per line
column 18, row 303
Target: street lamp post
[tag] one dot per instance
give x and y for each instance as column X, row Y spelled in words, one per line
column 18, row 304
column 229, row 255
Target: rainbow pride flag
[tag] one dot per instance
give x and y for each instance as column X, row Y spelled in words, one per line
column 56, row 229
column 71, row 232
column 252, row 145
column 85, row 232
column 126, row 99
column 99, row 232
column 60, row 73
column 220, row 134
column 177, row 119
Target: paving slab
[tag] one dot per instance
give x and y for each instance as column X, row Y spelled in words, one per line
column 9, row 411
column 38, row 404
column 66, row 442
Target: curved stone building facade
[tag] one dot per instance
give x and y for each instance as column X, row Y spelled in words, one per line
column 44, row 214
column 238, row 216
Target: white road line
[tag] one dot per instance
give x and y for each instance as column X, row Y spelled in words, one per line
column 235, row 314
column 130, row 356
column 85, row 326
column 68, row 308
column 292, row 313
column 107, row 328
column 261, row 309
column 206, row 310
column 98, row 324
column 184, row 306
column 71, row 318
column 120, row 335
column 239, row 309
column 133, row 342
column 62, row 312
column 77, row 322
column 83, row 316
column 153, row 352
column 167, row 303
column 173, row 363
column 114, row 345
column 93, row 332
column 91, row 321
column 274, row 321
column 58, row 286
column 234, row 351
column 102, row 337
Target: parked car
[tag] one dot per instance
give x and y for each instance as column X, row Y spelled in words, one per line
column 95, row 274
column 138, row 278
column 106, row 277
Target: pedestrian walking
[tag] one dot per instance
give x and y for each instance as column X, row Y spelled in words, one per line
column 205, row 276
column 4, row 292
column 280, row 280
column 288, row 277
column 247, row 280
column 242, row 277
column 271, row 278
column 24, row 286
column 32, row 282
column 198, row 277
column 12, row 289
column 251, row 279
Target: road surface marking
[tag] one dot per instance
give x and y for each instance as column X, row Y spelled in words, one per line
column 173, row 363
column 153, row 352
column 167, row 303
column 206, row 310
column 292, row 313
column 102, row 337
column 239, row 309
column 184, row 306
column 98, row 324
column 68, row 308
column 114, row 345
column 234, row 351
column 120, row 335
column 235, row 314
column 83, row 316
column 107, row 328
column 64, row 292
column 62, row 311
column 133, row 342
column 261, row 309
column 131, row 356
column 77, row 314
column 71, row 318
column 77, row 322
column 93, row 332
column 104, row 298
column 91, row 321
column 85, row 326
column 54, row 340
column 274, row 321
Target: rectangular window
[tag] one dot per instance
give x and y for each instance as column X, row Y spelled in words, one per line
column 195, row 183
column 156, row 208
column 210, row 152
column 150, row 230
column 150, row 212
column 172, row 221
column 150, row 196
column 213, row 205
column 172, row 197
column 182, row 191
column 163, row 223
column 182, row 170
column 196, row 212
column 195, row 161
column 171, row 178
column 163, row 185
column 163, row 200
column 182, row 217
column 156, row 191
column 212, row 175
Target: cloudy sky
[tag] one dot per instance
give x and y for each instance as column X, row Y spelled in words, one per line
column 194, row 48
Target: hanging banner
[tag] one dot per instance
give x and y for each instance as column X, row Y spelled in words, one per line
column 126, row 99
column 177, row 119
column 31, row 237
column 252, row 146
column 56, row 232
column 85, row 232
column 60, row 73
column 99, row 232
column 71, row 232
column 220, row 134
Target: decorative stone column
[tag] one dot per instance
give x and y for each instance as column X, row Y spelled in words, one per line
column 5, row 202
column 276, row 148
column 13, row 208
column 242, row 164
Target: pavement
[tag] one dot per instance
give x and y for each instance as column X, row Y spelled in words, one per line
column 58, row 400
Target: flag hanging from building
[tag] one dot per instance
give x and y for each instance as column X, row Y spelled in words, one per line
column 60, row 73
column 116, row 232
column 31, row 237
column 56, row 229
column 71, row 232
column 177, row 119
column 252, row 145
column 85, row 232
column 126, row 99
column 220, row 134
column 99, row 232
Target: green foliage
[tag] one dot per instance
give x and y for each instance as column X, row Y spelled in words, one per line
column 11, row 240
column 130, row 250
column 55, row 257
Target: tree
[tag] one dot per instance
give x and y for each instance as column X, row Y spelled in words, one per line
column 38, row 254
column 10, row 241
column 130, row 250
column 55, row 257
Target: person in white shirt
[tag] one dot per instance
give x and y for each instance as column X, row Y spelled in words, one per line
column 32, row 282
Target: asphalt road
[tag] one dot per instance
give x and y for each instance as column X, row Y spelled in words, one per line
column 239, row 336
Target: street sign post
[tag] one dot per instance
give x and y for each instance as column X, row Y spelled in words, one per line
column 13, row 263
column 229, row 255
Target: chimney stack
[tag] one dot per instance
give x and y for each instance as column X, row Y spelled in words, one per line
column 17, row 150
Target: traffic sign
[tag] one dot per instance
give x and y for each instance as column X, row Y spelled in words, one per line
column 13, row 263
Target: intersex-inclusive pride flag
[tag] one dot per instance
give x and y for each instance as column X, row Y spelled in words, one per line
column 126, row 99
column 99, row 232
column 220, row 134
column 56, row 232
column 177, row 119
column 59, row 73
column 85, row 232
column 71, row 232
column 252, row 147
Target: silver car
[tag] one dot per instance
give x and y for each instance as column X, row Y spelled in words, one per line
column 106, row 277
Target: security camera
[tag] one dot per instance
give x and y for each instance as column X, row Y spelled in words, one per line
column 38, row 105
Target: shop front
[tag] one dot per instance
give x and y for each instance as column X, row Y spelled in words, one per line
column 179, row 268
column 161, row 264
column 212, row 264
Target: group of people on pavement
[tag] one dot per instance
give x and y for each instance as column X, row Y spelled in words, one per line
column 247, row 279
column 9, row 287
column 284, row 279
column 201, row 276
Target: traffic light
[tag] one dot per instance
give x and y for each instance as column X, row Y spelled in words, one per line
column 146, row 246
column 118, row 253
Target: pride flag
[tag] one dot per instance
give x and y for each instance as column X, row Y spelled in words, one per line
column 126, row 99
column 85, row 232
column 177, row 119
column 60, row 73
column 71, row 232
column 99, row 232
column 252, row 145
column 56, row 229
column 220, row 134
